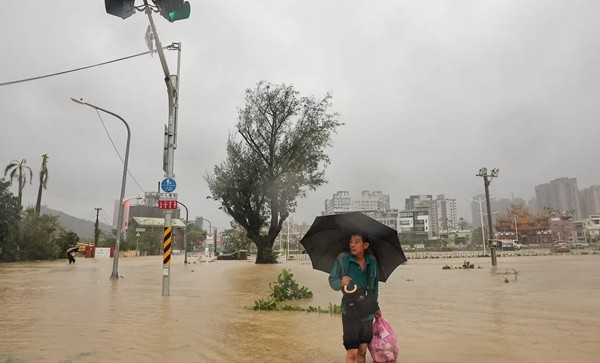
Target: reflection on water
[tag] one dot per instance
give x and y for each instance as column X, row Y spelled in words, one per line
column 55, row 312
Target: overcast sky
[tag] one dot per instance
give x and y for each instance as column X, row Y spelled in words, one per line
column 429, row 92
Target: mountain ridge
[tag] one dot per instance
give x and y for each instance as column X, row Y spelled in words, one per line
column 83, row 228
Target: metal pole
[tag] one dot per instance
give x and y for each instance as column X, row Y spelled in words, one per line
column 177, row 47
column 115, row 270
column 490, row 226
column 185, row 233
column 516, row 229
column 209, row 229
column 215, row 241
column 170, row 151
column 482, row 225
column 96, row 229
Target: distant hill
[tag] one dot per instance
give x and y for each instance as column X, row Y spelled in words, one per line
column 83, row 228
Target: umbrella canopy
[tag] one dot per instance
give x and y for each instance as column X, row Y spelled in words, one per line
column 72, row 249
column 330, row 235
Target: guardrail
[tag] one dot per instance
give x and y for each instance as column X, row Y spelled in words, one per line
column 467, row 253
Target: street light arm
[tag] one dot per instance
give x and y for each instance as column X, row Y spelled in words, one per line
column 186, row 210
column 138, row 197
column 115, row 272
column 185, row 248
column 82, row 102
column 204, row 219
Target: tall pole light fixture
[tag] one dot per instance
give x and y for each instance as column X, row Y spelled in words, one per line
column 516, row 229
column 115, row 271
column 202, row 219
column 185, row 232
column 482, row 226
column 215, row 230
column 487, row 179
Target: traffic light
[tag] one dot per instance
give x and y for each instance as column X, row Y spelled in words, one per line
column 121, row 8
column 173, row 10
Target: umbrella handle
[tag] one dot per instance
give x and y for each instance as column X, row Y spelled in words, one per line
column 350, row 291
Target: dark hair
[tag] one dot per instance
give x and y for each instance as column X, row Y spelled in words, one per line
column 364, row 236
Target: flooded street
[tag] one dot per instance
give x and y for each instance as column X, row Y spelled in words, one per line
column 56, row 312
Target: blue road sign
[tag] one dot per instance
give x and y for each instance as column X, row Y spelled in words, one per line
column 168, row 185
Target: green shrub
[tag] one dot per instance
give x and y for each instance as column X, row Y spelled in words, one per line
column 265, row 304
column 467, row 265
column 286, row 288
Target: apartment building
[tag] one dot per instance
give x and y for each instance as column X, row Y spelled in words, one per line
column 444, row 216
column 374, row 204
column 590, row 200
column 414, row 224
column 560, row 195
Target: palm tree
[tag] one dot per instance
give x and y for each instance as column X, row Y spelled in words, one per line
column 43, row 183
column 18, row 170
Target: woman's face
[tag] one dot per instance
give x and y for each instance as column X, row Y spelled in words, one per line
column 357, row 245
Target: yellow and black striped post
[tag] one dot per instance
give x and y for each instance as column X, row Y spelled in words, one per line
column 167, row 238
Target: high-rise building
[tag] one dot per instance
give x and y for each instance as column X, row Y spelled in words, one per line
column 417, row 201
column 374, row 204
column 590, row 200
column 339, row 202
column 444, row 217
column 560, row 196
column 497, row 206
column 478, row 208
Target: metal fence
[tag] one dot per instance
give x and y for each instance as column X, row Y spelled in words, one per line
column 466, row 253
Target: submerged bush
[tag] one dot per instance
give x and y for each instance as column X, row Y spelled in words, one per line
column 286, row 288
column 467, row 264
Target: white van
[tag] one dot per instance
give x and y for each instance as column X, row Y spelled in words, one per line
column 507, row 244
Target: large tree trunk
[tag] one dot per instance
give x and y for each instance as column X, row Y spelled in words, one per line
column 264, row 247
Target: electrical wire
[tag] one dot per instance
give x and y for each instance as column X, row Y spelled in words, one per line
column 105, row 217
column 75, row 70
column 89, row 216
column 117, row 151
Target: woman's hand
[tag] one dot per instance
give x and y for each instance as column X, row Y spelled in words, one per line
column 378, row 314
column 345, row 281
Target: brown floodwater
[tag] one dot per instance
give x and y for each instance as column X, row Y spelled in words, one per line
column 56, row 312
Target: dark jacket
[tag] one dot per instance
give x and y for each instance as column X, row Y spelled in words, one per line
column 347, row 265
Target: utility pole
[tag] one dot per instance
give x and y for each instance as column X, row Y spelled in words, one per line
column 185, row 261
column 482, row 226
column 172, row 11
column 96, row 229
column 487, row 179
column 215, row 241
column 169, row 149
column 516, row 229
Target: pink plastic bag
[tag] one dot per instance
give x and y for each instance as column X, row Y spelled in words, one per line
column 384, row 345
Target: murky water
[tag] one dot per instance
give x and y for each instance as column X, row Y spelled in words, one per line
column 55, row 312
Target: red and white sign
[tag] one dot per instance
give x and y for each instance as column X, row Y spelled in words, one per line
column 167, row 200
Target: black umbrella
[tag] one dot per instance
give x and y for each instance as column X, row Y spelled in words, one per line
column 330, row 235
column 72, row 249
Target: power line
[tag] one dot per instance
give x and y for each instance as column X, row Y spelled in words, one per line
column 74, row 70
column 117, row 151
column 105, row 217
